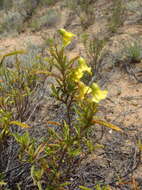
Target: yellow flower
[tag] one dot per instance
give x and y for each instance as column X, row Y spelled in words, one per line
column 83, row 90
column 77, row 75
column 97, row 93
column 66, row 36
column 81, row 68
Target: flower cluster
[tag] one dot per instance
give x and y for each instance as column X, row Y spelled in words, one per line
column 66, row 36
column 80, row 69
column 94, row 92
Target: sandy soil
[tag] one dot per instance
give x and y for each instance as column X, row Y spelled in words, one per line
column 123, row 106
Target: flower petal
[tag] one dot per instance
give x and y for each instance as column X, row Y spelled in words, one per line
column 97, row 93
column 65, row 33
column 83, row 90
column 83, row 66
column 66, row 36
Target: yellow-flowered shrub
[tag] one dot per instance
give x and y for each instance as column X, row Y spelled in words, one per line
column 52, row 158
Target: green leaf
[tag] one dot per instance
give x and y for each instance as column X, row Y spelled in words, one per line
column 90, row 145
column 39, row 185
column 75, row 152
column 84, row 188
column 31, row 151
column 10, row 54
column 66, row 131
column 36, row 174
column 98, row 187
column 22, row 125
column 54, row 90
column 4, row 133
column 24, row 139
column 2, row 183
column 17, row 137
column 32, row 173
column 15, row 53
column 65, row 184
column 77, row 130
column 53, row 133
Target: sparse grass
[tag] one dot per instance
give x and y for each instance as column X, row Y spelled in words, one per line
column 93, row 47
column 12, row 21
column 85, row 10
column 20, row 93
column 18, row 86
column 48, row 2
column 133, row 52
column 117, row 17
column 49, row 19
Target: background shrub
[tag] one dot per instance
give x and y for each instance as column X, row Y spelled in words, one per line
column 49, row 19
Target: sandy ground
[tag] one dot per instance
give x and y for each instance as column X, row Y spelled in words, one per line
column 123, row 106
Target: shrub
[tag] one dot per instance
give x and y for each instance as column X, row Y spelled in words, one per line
column 53, row 158
column 12, row 21
column 85, row 10
column 20, row 91
column 52, row 161
column 25, row 7
column 93, row 47
column 117, row 16
column 48, row 20
column 134, row 52
column 18, row 86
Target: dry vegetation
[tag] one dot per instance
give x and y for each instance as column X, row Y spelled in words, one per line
column 53, row 137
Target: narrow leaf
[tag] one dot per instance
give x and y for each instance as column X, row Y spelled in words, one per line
column 40, row 149
column 10, row 54
column 22, row 125
column 54, row 123
column 15, row 53
column 84, row 188
column 109, row 125
column 65, row 184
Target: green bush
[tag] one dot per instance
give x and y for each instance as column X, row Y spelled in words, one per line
column 134, row 52
column 18, row 86
column 53, row 158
